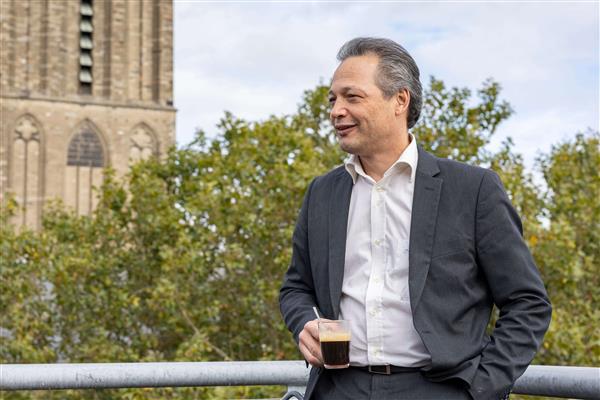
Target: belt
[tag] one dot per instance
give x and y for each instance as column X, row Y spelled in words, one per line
column 387, row 369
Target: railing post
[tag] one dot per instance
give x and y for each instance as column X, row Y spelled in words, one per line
column 294, row 393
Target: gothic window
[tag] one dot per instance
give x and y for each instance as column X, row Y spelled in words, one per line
column 85, row 161
column 25, row 171
column 143, row 144
column 85, row 150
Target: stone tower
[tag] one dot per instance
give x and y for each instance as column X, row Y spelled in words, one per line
column 84, row 84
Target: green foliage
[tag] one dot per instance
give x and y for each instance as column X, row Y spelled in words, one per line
column 27, row 318
column 451, row 128
column 183, row 258
column 568, row 250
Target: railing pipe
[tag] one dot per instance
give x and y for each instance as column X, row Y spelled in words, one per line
column 565, row 382
column 555, row 381
column 163, row 374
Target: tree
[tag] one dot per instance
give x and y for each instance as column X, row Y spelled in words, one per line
column 568, row 250
column 27, row 321
column 451, row 129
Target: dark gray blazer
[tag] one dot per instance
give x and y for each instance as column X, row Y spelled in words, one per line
column 466, row 254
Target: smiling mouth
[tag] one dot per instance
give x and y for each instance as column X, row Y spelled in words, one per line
column 343, row 129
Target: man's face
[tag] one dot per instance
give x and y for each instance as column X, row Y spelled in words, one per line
column 365, row 122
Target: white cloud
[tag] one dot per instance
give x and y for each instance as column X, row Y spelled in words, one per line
column 255, row 59
column 537, row 133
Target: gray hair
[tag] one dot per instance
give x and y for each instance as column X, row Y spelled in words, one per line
column 396, row 70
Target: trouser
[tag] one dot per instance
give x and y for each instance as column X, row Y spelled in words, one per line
column 356, row 384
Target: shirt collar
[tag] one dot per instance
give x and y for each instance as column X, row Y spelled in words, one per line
column 409, row 158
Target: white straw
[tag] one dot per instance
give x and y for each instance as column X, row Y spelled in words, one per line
column 317, row 313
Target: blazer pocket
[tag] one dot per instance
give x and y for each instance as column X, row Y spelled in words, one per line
column 447, row 247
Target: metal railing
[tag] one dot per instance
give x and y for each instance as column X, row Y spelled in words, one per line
column 554, row 381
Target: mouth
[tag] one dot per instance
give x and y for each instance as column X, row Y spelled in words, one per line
column 344, row 129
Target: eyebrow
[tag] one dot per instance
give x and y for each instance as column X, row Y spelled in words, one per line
column 346, row 89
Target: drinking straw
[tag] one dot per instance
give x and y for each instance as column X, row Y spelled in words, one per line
column 317, row 313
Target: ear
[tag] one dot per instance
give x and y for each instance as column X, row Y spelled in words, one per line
column 402, row 101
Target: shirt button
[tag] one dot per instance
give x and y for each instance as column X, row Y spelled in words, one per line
column 380, row 189
column 377, row 242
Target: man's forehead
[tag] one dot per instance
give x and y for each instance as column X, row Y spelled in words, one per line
column 356, row 72
column 357, row 64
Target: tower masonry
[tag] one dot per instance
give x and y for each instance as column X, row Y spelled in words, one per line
column 84, row 85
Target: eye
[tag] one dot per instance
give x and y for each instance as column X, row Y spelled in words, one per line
column 331, row 100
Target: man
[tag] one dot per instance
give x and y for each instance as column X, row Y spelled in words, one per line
column 412, row 249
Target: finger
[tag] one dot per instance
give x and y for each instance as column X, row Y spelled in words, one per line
column 312, row 328
column 312, row 359
column 310, row 344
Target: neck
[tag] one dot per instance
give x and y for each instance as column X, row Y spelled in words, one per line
column 376, row 164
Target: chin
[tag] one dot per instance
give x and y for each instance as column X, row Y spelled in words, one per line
column 347, row 147
column 350, row 144
column 350, row 150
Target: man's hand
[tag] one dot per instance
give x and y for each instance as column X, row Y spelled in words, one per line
column 309, row 344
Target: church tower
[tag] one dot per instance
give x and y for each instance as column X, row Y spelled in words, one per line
column 84, row 84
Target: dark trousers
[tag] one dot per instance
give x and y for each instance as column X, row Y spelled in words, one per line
column 355, row 384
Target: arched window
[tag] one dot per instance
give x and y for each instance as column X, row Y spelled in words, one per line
column 26, row 176
column 85, row 150
column 85, row 161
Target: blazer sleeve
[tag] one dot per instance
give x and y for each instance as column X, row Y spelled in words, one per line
column 516, row 288
column 297, row 294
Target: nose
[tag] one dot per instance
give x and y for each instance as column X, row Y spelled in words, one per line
column 337, row 110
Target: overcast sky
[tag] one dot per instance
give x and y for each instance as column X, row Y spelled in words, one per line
column 256, row 58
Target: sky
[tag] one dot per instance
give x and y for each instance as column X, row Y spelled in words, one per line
column 255, row 59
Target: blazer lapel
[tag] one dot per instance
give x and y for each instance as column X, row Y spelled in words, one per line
column 423, row 221
column 339, row 203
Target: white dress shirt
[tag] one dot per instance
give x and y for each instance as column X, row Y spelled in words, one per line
column 375, row 295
